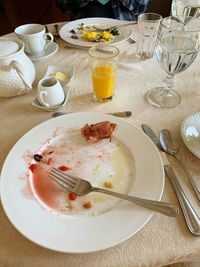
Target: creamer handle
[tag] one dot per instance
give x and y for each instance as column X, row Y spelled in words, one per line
column 42, row 100
column 20, row 70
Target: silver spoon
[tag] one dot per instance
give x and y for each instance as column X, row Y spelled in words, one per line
column 56, row 30
column 192, row 219
column 169, row 147
column 131, row 41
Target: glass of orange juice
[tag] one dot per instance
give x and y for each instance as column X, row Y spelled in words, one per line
column 103, row 62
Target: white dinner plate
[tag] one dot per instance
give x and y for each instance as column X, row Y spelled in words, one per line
column 190, row 132
column 81, row 233
column 65, row 33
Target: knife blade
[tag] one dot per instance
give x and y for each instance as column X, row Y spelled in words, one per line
column 191, row 217
column 122, row 114
column 150, row 133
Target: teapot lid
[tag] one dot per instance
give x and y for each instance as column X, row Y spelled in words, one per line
column 8, row 47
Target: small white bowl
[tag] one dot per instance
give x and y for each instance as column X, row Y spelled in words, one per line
column 68, row 70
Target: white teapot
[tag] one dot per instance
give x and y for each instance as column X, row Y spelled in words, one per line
column 17, row 72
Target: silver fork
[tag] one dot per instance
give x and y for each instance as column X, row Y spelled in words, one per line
column 82, row 187
column 113, row 27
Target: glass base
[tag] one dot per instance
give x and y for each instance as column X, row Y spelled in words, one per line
column 145, row 55
column 161, row 98
column 102, row 100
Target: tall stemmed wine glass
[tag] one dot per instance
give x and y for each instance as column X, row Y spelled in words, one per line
column 185, row 8
column 177, row 46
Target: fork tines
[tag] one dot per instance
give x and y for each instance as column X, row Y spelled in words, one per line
column 67, row 181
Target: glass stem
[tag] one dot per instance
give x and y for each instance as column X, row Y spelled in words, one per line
column 168, row 84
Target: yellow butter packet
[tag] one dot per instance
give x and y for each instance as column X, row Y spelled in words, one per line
column 61, row 76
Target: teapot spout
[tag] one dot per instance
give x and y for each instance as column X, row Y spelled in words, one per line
column 21, row 72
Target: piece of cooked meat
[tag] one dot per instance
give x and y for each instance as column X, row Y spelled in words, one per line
column 98, row 131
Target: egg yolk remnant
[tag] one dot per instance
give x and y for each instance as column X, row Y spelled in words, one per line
column 92, row 36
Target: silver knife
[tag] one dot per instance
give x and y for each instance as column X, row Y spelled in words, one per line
column 150, row 133
column 123, row 114
column 191, row 217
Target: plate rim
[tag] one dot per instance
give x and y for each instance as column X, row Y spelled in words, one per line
column 149, row 213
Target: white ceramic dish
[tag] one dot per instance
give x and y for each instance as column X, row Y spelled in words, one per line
column 190, row 132
column 51, row 50
column 51, row 70
column 65, row 33
column 73, row 233
column 69, row 70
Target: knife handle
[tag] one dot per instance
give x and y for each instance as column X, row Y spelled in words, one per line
column 191, row 217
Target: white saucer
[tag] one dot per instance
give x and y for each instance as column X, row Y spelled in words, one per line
column 51, row 49
column 190, row 132
column 37, row 104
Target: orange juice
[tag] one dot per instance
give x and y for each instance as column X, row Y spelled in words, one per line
column 103, row 78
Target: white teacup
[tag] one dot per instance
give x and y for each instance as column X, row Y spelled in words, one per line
column 34, row 38
column 50, row 92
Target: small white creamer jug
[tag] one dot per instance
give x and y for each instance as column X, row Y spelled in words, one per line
column 17, row 72
column 50, row 92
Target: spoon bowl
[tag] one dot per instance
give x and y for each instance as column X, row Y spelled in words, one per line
column 167, row 142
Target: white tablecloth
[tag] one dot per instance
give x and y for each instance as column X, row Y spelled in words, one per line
column 163, row 240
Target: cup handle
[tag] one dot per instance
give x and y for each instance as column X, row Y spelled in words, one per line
column 51, row 39
column 41, row 94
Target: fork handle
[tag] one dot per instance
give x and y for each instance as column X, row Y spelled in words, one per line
column 115, row 26
column 124, row 25
column 159, row 206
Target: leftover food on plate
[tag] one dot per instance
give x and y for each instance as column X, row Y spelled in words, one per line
column 106, row 163
column 89, row 34
column 98, row 131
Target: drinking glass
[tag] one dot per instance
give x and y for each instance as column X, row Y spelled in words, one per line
column 104, row 64
column 176, row 48
column 185, row 8
column 148, row 24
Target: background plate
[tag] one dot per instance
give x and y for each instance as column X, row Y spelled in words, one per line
column 190, row 132
column 65, row 34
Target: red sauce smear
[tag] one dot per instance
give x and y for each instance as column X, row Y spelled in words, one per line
column 45, row 188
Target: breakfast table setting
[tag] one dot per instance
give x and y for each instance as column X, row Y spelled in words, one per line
column 125, row 234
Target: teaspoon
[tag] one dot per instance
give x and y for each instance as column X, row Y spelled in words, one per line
column 169, row 147
column 192, row 219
